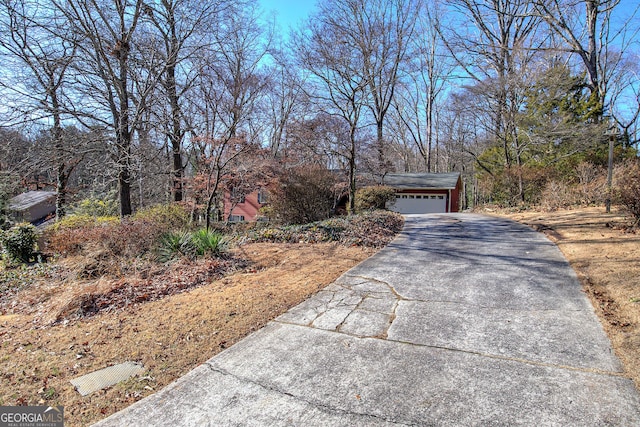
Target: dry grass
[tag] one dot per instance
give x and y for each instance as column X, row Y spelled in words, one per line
column 169, row 336
column 605, row 254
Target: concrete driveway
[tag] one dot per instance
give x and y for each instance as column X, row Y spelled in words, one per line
column 463, row 320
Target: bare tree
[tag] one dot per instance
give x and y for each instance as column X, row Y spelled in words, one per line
column 230, row 84
column 379, row 32
column 114, row 78
column 624, row 98
column 585, row 27
column 34, row 39
column 283, row 98
column 495, row 42
column 181, row 27
column 415, row 107
column 327, row 52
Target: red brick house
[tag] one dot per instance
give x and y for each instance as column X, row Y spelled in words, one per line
column 419, row 193
column 246, row 208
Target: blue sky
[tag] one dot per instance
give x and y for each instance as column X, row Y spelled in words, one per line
column 288, row 12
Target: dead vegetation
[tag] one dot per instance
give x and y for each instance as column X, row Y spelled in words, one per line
column 98, row 307
column 169, row 336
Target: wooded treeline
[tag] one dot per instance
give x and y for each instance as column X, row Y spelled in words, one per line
column 181, row 100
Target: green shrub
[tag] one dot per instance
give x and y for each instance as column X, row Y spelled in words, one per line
column 4, row 216
column 208, row 242
column 171, row 216
column 76, row 221
column 175, row 245
column 8, row 184
column 19, row 243
column 369, row 198
column 95, row 206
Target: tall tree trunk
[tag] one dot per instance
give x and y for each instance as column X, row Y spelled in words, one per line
column 123, row 142
column 62, row 176
column 430, row 102
column 382, row 161
column 207, row 213
column 123, row 132
column 175, row 136
column 62, row 179
column 592, row 60
column 520, row 178
column 352, row 171
column 124, row 181
column 176, row 133
column 212, row 196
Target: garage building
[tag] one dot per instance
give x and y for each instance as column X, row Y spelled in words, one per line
column 420, row 193
column 33, row 206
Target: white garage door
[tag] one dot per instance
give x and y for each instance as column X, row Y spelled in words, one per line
column 419, row 203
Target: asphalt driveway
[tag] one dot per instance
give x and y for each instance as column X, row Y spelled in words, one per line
column 462, row 320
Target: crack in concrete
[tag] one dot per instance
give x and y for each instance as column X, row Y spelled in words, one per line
column 316, row 404
column 344, row 301
column 341, row 324
column 333, row 303
column 518, row 360
column 393, row 291
column 372, row 294
column 392, row 317
column 478, row 353
column 399, row 297
column 365, row 278
column 362, row 298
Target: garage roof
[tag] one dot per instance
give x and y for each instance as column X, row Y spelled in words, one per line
column 410, row 181
column 30, row 199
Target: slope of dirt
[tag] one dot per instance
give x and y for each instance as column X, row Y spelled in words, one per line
column 169, row 336
column 605, row 254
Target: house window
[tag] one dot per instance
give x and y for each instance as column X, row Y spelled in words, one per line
column 433, row 197
column 236, row 218
column 404, row 196
column 412, row 196
column 262, row 196
column 441, row 197
column 418, row 197
column 397, row 196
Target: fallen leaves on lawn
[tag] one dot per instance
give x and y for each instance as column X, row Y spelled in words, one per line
column 123, row 293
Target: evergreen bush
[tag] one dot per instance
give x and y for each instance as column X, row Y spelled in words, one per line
column 18, row 243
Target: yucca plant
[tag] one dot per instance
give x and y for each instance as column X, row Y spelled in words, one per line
column 208, row 242
column 174, row 245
